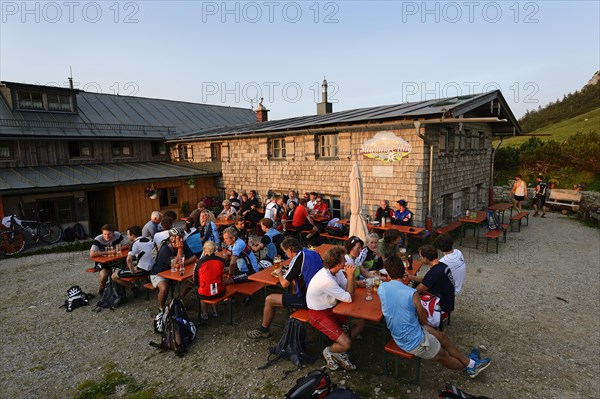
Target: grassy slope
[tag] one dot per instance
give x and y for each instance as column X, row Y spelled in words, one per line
column 560, row 131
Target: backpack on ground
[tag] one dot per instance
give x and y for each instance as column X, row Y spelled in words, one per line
column 454, row 392
column 315, row 384
column 177, row 332
column 291, row 345
column 79, row 231
column 176, row 308
column 68, row 235
column 494, row 221
column 76, row 298
column 342, row 393
column 113, row 296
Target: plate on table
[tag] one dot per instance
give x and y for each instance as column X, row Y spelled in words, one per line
column 375, row 223
column 383, row 272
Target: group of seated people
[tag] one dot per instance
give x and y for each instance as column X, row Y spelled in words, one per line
column 401, row 216
column 320, row 283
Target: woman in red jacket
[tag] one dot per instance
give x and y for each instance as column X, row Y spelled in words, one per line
column 208, row 276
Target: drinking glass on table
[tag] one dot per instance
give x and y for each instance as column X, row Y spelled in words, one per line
column 182, row 266
column 369, row 287
column 277, row 262
column 174, row 265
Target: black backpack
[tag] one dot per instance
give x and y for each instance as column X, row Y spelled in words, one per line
column 76, row 298
column 79, row 231
column 68, row 235
column 176, row 308
column 177, row 332
column 454, row 392
column 113, row 296
column 315, row 384
column 291, row 345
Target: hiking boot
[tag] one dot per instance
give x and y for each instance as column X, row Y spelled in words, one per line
column 343, row 360
column 331, row 364
column 258, row 333
column 474, row 354
column 480, row 365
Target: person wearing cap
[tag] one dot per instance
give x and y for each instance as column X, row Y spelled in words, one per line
column 402, row 215
column 177, row 248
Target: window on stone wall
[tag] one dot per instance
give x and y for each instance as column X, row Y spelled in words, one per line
column 335, row 206
column 215, row 152
column 277, row 148
column 468, row 140
column 447, row 208
column 327, row 146
column 462, row 140
column 185, row 152
column 481, row 144
column 446, row 144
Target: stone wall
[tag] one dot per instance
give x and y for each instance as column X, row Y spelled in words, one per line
column 460, row 177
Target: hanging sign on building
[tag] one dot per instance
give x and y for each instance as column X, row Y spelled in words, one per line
column 386, row 146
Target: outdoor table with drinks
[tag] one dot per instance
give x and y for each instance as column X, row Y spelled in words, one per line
column 475, row 219
column 113, row 255
column 178, row 272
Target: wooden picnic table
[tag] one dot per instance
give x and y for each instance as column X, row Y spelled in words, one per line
column 403, row 229
column 112, row 258
column 480, row 217
column 223, row 222
column 502, row 207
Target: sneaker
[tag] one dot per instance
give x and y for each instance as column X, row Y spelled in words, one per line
column 480, row 365
column 543, row 215
column 331, row 364
column 257, row 333
column 343, row 360
column 204, row 317
column 535, row 214
column 215, row 315
column 474, row 354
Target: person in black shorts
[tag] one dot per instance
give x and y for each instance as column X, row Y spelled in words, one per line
column 141, row 254
column 539, row 198
column 304, row 265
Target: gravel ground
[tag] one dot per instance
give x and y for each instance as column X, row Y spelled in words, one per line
column 534, row 308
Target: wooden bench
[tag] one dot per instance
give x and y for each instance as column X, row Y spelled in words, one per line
column 334, row 238
column 518, row 219
column 565, row 199
column 230, row 290
column 495, row 235
column 249, row 288
column 392, row 348
column 449, row 228
column 302, row 316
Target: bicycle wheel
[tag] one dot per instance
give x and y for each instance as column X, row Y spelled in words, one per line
column 50, row 232
column 11, row 243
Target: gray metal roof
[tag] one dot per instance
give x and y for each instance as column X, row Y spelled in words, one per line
column 109, row 116
column 451, row 106
column 79, row 176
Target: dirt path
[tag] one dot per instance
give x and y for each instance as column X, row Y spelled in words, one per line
column 534, row 307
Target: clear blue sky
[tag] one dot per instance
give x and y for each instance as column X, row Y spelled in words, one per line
column 372, row 53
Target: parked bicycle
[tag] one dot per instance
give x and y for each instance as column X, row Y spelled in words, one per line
column 13, row 230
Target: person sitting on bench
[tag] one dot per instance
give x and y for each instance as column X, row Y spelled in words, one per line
column 304, row 265
column 141, row 253
column 407, row 321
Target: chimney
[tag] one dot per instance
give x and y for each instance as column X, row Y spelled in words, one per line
column 324, row 107
column 261, row 112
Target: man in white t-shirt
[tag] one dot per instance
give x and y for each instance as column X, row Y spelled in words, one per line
column 141, row 254
column 326, row 289
column 454, row 259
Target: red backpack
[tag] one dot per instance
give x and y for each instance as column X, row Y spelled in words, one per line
column 210, row 277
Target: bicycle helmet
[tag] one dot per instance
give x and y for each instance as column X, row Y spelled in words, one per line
column 176, row 231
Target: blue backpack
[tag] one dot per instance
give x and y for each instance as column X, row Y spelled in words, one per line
column 494, row 221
